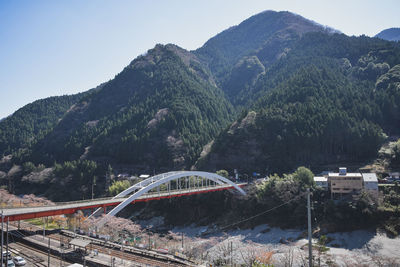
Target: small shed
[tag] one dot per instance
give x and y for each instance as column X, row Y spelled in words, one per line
column 80, row 243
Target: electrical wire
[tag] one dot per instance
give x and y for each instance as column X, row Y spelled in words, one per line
column 261, row 213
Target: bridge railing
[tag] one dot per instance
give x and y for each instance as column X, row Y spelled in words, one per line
column 150, row 194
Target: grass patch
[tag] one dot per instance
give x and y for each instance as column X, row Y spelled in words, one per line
column 51, row 225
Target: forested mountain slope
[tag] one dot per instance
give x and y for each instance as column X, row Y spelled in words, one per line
column 391, row 34
column 159, row 112
column 33, row 121
column 239, row 54
column 332, row 99
column 273, row 93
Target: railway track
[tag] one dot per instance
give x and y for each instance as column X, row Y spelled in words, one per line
column 26, row 252
column 122, row 255
column 128, row 256
column 135, row 258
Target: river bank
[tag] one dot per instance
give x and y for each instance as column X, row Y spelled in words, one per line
column 355, row 248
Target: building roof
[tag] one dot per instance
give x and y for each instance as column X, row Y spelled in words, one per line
column 79, row 242
column 349, row 174
column 320, row 179
column 370, row 177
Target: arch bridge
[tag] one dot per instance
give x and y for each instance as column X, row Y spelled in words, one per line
column 179, row 180
column 165, row 185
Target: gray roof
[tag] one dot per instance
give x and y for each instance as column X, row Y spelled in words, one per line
column 349, row 174
column 79, row 242
column 370, row 177
column 320, row 179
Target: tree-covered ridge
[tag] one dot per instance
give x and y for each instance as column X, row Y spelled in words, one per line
column 320, row 104
column 391, row 34
column 306, row 96
column 159, row 112
column 33, row 121
column 267, row 36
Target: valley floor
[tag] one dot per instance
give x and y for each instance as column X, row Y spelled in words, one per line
column 356, row 248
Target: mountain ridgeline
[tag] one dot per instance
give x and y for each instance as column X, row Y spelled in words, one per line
column 391, row 34
column 272, row 93
column 332, row 99
column 33, row 121
column 239, row 54
column 159, row 111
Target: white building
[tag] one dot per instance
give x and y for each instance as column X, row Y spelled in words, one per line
column 370, row 182
column 321, row 181
column 343, row 183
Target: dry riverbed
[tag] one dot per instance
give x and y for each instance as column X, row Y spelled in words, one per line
column 356, row 248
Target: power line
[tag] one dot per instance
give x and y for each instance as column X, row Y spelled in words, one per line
column 261, row 213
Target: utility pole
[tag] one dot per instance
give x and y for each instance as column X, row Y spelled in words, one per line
column 48, row 255
column 2, row 236
column 182, row 241
column 93, row 184
column 61, row 252
column 309, row 228
column 7, row 242
column 44, row 228
column 231, row 254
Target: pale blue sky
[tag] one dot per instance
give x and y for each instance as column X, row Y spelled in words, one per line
column 52, row 48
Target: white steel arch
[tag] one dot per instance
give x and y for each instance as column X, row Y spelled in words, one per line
column 157, row 180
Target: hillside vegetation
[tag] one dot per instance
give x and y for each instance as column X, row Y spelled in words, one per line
column 159, row 112
column 391, row 34
column 333, row 98
column 33, row 121
column 273, row 93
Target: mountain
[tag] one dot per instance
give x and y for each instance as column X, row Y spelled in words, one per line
column 239, row 54
column 33, row 121
column 159, row 112
column 275, row 92
column 391, row 34
column 332, row 99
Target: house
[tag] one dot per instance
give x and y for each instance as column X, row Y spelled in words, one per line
column 370, row 183
column 343, row 182
column 321, row 181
